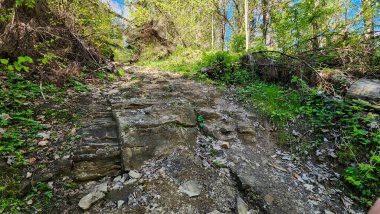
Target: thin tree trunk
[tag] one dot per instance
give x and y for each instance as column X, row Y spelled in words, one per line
column 315, row 40
column 212, row 33
column 265, row 20
column 223, row 23
column 246, row 26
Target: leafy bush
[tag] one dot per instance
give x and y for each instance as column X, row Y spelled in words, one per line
column 238, row 43
column 221, row 62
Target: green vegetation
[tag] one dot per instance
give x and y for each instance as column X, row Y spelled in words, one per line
column 182, row 61
column 20, row 128
column 272, row 100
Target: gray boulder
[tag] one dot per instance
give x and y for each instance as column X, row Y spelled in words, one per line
column 365, row 89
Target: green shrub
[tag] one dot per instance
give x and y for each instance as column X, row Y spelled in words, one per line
column 238, row 43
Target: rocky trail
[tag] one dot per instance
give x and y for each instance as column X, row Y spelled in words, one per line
column 144, row 149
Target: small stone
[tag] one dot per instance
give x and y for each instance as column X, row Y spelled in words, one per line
column 118, row 186
column 30, row 202
column 309, row 187
column 102, row 187
column 269, row 199
column 50, row 184
column 2, row 131
column 215, row 212
column 296, row 133
column 29, row 175
column 117, row 179
column 43, row 143
column 44, row 135
column 191, row 188
column 333, row 155
column 87, row 201
column 120, row 203
column 134, row 174
column 130, row 181
column 225, row 145
column 241, row 206
column 114, row 91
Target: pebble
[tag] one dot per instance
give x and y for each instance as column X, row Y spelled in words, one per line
column 29, row 175
column 87, row 201
column 241, row 206
column 117, row 179
column 43, row 143
column 134, row 174
column 215, row 212
column 130, row 181
column 269, row 199
column 118, row 186
column 44, row 135
column 191, row 188
column 102, row 187
column 2, row 131
column 120, row 203
column 225, row 145
column 50, row 184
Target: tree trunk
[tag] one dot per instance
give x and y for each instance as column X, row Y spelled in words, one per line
column 368, row 16
column 246, row 26
column 315, row 26
column 265, row 20
column 223, row 8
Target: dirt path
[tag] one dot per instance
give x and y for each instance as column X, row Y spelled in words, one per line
column 144, row 151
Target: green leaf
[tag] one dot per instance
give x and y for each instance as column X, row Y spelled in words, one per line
column 10, row 68
column 4, row 61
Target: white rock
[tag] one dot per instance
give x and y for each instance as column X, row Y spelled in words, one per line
column 215, row 212
column 87, row 201
column 241, row 206
column 50, row 184
column 29, row 175
column 102, row 187
column 117, row 179
column 120, row 203
column 328, row 212
column 2, row 131
column 134, row 174
column 191, row 188
column 118, row 186
column 44, row 135
column 224, row 144
column 130, row 181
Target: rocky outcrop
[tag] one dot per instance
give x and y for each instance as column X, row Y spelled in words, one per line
column 173, row 161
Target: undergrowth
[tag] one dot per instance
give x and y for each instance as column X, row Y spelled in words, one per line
column 20, row 128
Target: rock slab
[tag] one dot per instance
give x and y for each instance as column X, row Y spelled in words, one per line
column 365, row 89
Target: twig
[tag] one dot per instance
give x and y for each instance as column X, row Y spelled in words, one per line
column 42, row 93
